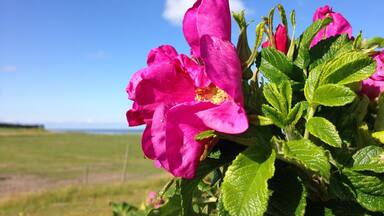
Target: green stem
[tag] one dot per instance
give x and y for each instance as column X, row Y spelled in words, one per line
column 311, row 113
column 167, row 186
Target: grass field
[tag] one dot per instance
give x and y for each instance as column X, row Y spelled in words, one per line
column 76, row 174
column 80, row 201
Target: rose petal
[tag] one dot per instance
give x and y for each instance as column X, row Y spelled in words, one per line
column 227, row 117
column 146, row 142
column 281, row 38
column 222, row 66
column 158, row 134
column 183, row 151
column 372, row 88
column 163, row 83
column 207, row 17
column 190, row 31
column 135, row 80
column 338, row 26
column 134, row 117
column 164, row 53
column 195, row 70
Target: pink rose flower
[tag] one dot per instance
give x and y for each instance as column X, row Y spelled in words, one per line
column 206, row 17
column 153, row 200
column 373, row 86
column 338, row 26
column 280, row 38
column 177, row 97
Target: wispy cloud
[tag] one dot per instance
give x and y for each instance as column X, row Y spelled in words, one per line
column 174, row 9
column 8, row 69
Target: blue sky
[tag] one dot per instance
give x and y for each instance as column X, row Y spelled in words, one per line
column 66, row 63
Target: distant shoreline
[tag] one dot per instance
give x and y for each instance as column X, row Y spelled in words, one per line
column 98, row 131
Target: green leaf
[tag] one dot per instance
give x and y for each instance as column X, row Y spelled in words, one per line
column 377, row 42
column 286, row 92
column 309, row 156
column 324, row 130
column 369, row 189
column 245, row 187
column 328, row 49
column 273, row 97
column 258, row 41
column 292, row 46
column 379, row 136
column 289, row 194
column 370, row 158
column 364, row 136
column 276, row 116
column 243, row 50
column 276, row 66
column 340, row 189
column 358, row 40
column 311, row 83
column 205, row 135
column 283, row 15
column 379, row 123
column 303, row 57
column 333, row 95
column 280, row 97
column 335, row 208
column 348, row 68
column 188, row 187
column 270, row 24
column 171, row 207
column 295, row 114
column 259, row 120
column 125, row 209
column 220, row 208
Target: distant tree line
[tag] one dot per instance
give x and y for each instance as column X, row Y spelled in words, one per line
column 11, row 125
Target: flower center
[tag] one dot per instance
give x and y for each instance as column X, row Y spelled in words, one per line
column 211, row 94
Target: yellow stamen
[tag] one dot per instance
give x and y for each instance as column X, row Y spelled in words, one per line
column 211, row 94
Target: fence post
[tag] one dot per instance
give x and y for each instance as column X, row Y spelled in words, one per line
column 125, row 165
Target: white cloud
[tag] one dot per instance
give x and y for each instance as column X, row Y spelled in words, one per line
column 8, row 68
column 175, row 9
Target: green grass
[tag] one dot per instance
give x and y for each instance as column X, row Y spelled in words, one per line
column 79, row 201
column 63, row 157
column 66, row 155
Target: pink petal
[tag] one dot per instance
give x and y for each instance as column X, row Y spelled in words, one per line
column 195, row 70
column 147, row 144
column 164, row 83
column 158, row 135
column 338, row 26
column 266, row 44
column 207, row 17
column 163, row 53
column 322, row 12
column 372, row 88
column 222, row 66
column 134, row 117
column 379, row 74
column 281, row 38
column 227, row 117
column 183, row 151
column 135, row 80
column 190, row 31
